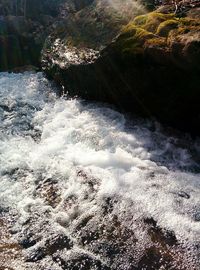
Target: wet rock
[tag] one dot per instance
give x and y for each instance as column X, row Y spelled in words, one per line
column 51, row 245
column 153, row 59
column 108, row 205
column 24, row 26
column 107, row 238
column 36, row 255
column 158, row 235
column 10, row 250
column 48, row 190
column 81, row 262
column 83, row 223
column 183, row 194
column 197, row 216
column 28, row 242
column 25, row 68
column 152, row 259
column 3, row 210
column 58, row 242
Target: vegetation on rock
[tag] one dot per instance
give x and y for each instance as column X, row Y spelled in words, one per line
column 151, row 68
column 157, row 31
column 147, row 64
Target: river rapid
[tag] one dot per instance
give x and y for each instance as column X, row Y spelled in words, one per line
column 84, row 187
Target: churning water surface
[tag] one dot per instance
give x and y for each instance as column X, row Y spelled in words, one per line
column 82, row 187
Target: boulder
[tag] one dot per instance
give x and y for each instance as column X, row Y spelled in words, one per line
column 151, row 68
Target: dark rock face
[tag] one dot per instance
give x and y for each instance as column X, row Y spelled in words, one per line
column 23, row 28
column 82, row 4
column 18, row 48
column 24, row 25
column 151, row 69
column 29, row 8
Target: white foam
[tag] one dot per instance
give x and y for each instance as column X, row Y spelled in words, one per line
column 133, row 164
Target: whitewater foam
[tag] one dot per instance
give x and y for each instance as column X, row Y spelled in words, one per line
column 90, row 153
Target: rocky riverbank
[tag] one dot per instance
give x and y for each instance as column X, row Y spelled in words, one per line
column 26, row 24
column 151, row 68
column 102, row 50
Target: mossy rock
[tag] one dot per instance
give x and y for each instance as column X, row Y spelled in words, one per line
column 152, row 20
column 151, row 68
column 132, row 39
column 165, row 27
column 156, row 42
column 140, row 20
column 154, row 30
column 132, row 30
column 189, row 22
column 161, row 24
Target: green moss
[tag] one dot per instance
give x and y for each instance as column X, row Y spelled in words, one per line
column 152, row 20
column 153, row 29
column 160, row 16
column 189, row 22
column 156, row 41
column 140, row 20
column 155, row 19
column 185, row 25
column 133, row 30
column 142, row 34
column 179, row 31
column 165, row 27
column 128, row 31
column 132, row 39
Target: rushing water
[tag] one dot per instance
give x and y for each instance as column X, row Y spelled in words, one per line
column 82, row 187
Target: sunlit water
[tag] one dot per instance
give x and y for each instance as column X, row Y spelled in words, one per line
column 81, row 187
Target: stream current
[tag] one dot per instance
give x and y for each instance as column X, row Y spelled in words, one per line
column 84, row 187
